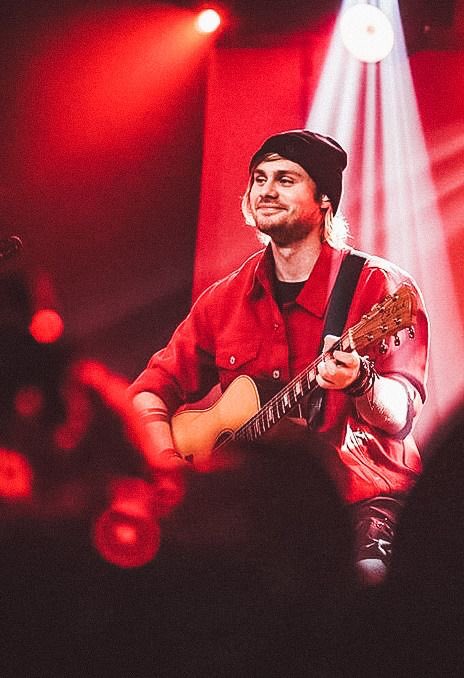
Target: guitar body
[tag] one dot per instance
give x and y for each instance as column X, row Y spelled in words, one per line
column 197, row 432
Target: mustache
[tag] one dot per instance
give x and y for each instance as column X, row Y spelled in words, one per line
column 269, row 203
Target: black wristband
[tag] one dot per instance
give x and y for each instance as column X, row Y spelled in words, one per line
column 364, row 382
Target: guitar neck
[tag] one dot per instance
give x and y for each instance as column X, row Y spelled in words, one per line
column 288, row 398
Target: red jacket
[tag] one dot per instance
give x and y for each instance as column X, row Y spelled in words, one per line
column 235, row 327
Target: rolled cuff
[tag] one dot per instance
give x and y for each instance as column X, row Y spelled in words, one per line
column 152, row 381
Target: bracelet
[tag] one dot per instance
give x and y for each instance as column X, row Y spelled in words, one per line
column 364, row 382
column 151, row 414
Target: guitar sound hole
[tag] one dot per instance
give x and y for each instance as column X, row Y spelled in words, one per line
column 223, row 438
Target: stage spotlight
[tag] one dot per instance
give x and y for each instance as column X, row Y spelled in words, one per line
column 127, row 534
column 208, row 21
column 366, row 33
column 46, row 326
column 16, row 476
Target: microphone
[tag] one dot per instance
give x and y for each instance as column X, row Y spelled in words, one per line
column 9, row 247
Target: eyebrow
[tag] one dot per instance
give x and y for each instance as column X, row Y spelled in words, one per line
column 278, row 173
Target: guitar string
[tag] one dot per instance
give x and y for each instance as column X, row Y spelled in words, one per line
column 288, row 390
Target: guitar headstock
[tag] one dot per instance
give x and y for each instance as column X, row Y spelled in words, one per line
column 387, row 318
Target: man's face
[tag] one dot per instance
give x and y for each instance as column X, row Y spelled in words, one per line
column 282, row 201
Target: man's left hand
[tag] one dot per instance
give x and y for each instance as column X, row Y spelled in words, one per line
column 338, row 369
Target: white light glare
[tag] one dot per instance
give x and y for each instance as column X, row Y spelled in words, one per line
column 208, row 21
column 366, row 32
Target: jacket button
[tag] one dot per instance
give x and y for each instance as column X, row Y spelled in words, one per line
column 276, row 374
column 232, row 360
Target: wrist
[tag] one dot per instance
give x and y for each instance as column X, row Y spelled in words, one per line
column 153, row 414
column 364, row 382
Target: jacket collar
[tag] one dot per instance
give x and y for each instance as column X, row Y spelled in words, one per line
column 315, row 295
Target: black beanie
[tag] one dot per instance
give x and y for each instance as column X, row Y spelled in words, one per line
column 321, row 157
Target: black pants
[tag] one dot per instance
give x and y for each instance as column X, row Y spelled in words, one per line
column 374, row 521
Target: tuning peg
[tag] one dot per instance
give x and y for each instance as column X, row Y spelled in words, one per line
column 396, row 340
column 383, row 348
column 411, row 332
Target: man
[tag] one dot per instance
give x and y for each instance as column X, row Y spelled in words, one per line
column 266, row 320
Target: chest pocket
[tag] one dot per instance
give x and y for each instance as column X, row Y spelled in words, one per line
column 235, row 359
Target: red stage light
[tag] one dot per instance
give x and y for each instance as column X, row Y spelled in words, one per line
column 168, row 492
column 208, row 21
column 16, row 476
column 46, row 326
column 29, row 401
column 127, row 534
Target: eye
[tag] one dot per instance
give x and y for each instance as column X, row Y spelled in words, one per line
column 286, row 181
column 260, row 179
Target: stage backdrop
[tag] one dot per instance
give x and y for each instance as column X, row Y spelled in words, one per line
column 256, row 91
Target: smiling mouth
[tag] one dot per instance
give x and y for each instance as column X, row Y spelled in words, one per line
column 270, row 208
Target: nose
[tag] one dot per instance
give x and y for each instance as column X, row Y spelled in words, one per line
column 268, row 189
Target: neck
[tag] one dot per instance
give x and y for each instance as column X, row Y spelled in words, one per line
column 294, row 263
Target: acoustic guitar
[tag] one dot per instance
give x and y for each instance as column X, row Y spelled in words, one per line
column 238, row 415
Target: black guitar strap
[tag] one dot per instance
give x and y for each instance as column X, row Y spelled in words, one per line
column 339, row 304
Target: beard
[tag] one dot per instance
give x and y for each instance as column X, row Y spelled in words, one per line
column 285, row 233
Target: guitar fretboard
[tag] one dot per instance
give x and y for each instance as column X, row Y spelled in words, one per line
column 288, row 398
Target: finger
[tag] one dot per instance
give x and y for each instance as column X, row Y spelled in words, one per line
column 349, row 360
column 331, row 367
column 324, row 372
column 343, row 359
column 324, row 381
column 329, row 341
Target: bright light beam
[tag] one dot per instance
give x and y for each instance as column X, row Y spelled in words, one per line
column 368, row 177
column 389, row 195
column 412, row 218
column 336, row 97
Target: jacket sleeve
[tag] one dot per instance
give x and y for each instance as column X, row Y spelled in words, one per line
column 407, row 358
column 184, row 371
